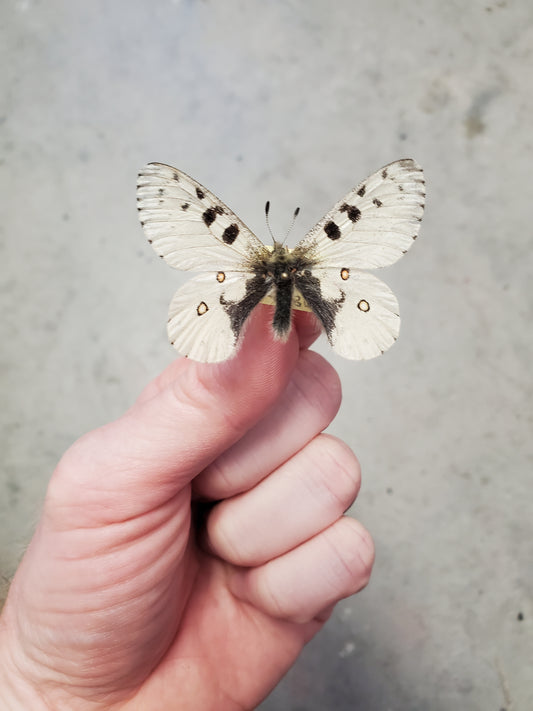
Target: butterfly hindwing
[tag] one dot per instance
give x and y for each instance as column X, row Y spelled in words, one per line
column 358, row 311
column 207, row 314
column 375, row 224
column 188, row 226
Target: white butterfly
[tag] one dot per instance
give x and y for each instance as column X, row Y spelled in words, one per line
column 191, row 229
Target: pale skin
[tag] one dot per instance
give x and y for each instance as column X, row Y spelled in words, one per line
column 127, row 600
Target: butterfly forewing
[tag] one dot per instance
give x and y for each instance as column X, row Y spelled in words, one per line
column 374, row 224
column 188, row 226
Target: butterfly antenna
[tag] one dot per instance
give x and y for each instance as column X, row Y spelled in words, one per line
column 295, row 215
column 267, row 210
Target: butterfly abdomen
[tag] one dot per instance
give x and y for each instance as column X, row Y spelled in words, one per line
column 282, row 315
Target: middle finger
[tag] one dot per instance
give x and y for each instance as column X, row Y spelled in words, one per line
column 300, row 499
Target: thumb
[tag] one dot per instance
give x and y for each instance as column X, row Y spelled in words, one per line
column 181, row 423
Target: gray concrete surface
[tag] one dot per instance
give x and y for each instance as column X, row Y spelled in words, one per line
column 297, row 101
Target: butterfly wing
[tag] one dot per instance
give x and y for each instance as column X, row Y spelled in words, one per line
column 375, row 224
column 188, row 226
column 359, row 312
column 191, row 229
column 207, row 314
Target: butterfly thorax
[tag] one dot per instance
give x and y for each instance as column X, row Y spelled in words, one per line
column 281, row 269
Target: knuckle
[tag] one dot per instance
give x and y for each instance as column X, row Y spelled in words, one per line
column 198, row 395
column 223, row 538
column 339, row 468
column 355, row 554
column 269, row 592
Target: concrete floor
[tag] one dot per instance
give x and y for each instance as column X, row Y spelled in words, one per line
column 297, row 101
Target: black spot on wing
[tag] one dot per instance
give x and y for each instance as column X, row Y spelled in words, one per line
column 332, row 230
column 176, row 177
column 161, row 192
column 354, row 213
column 384, row 174
column 362, row 190
column 210, row 215
column 377, row 202
column 200, row 194
column 185, row 206
column 230, row 234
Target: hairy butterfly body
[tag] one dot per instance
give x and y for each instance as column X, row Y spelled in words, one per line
column 372, row 227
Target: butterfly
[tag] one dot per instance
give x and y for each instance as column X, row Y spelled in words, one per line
column 371, row 227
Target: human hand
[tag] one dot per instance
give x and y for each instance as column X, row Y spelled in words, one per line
column 128, row 597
